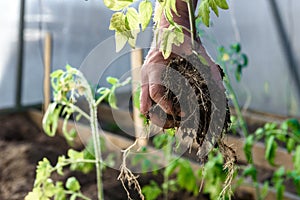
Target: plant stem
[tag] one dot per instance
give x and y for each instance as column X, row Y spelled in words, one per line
column 69, row 162
column 168, row 152
column 76, row 108
column 97, row 146
column 79, row 195
column 95, row 132
column 102, row 98
column 192, row 21
column 257, row 191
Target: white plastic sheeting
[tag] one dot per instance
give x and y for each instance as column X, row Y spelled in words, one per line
column 9, row 23
column 79, row 26
column 266, row 83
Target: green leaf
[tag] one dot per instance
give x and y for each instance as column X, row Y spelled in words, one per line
column 245, row 59
column 160, row 140
column 265, row 190
column 112, row 80
column 296, row 159
column 112, row 99
column 70, row 135
column 294, row 126
column 169, row 17
column 73, row 184
column 214, row 7
column 75, row 155
column 145, row 13
column 158, row 14
column 43, row 172
column 270, row 126
column 251, row 171
column 259, row 133
column 171, row 168
column 117, row 22
column 270, row 153
column 73, row 196
column 236, row 47
column 35, row 194
column 171, row 5
column 278, row 179
column 48, row 189
column 132, row 40
column 151, row 191
column 120, row 41
column 136, row 97
column 204, row 12
column 179, row 36
column 166, row 42
column 248, row 148
column 116, row 5
column 238, row 73
column 290, row 145
column 222, row 4
column 59, row 191
column 186, row 178
column 279, row 191
column 50, row 119
column 56, row 73
column 171, row 132
column 279, row 172
column 59, row 165
column 132, row 18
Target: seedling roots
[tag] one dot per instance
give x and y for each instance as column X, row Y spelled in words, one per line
column 192, row 87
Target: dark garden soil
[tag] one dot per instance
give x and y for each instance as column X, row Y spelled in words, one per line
column 22, row 145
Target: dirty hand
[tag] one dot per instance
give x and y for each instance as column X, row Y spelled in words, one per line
column 152, row 90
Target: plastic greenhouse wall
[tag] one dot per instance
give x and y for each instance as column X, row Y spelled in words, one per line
column 77, row 27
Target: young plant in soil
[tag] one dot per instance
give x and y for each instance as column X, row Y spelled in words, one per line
column 287, row 134
column 68, row 86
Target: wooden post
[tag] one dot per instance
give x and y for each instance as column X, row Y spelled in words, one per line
column 47, row 70
column 136, row 64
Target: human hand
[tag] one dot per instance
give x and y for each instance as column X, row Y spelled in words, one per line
column 152, row 90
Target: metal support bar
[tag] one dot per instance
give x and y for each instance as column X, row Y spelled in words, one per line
column 19, row 76
column 286, row 45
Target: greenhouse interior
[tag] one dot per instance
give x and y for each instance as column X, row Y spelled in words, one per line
column 150, row 99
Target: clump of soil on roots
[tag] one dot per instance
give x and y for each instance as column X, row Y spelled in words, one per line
column 191, row 87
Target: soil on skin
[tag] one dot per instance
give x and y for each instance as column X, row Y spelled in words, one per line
column 191, row 87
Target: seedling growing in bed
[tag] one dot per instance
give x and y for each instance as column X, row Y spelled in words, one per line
column 68, row 86
column 286, row 134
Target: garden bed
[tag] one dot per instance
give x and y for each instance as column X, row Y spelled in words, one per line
column 23, row 144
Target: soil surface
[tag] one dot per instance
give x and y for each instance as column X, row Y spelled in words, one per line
column 22, row 145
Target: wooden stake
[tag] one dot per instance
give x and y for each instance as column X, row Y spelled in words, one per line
column 136, row 64
column 47, row 70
